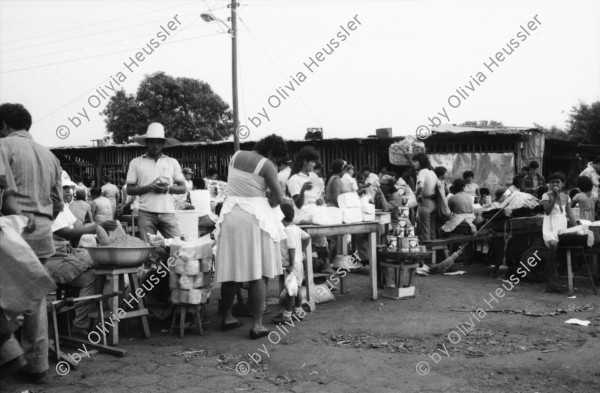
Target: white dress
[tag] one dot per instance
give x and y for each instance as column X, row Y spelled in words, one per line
column 556, row 220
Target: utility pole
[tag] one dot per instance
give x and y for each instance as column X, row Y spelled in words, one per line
column 236, row 120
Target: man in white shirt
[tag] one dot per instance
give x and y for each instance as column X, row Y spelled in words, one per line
column 155, row 177
column 372, row 180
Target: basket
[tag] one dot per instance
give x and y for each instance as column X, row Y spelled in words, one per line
column 400, row 158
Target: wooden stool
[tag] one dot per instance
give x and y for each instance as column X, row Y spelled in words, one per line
column 116, row 275
column 405, row 265
column 570, row 276
column 182, row 310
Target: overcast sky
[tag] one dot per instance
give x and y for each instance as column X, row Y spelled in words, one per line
column 398, row 67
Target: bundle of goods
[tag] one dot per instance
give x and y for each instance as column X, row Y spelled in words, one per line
column 116, row 239
column 351, row 207
column 327, row 216
column 519, row 200
column 594, row 227
column 191, row 265
column 576, row 236
column 400, row 153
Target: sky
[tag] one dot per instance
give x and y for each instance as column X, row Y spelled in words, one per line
column 399, row 65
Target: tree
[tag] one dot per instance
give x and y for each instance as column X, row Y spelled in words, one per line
column 584, row 123
column 553, row 132
column 188, row 108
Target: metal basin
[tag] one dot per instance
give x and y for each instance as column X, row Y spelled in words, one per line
column 119, row 257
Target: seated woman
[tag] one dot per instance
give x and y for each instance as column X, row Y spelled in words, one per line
column 471, row 187
column 461, row 206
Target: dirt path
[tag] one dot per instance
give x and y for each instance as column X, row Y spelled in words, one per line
column 354, row 345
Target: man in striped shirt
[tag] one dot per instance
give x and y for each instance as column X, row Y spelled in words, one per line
column 36, row 172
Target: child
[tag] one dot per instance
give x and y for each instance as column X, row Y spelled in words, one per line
column 586, row 199
column 291, row 259
column 100, row 206
column 556, row 205
column 471, row 188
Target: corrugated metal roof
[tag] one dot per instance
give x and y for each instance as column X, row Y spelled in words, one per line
column 453, row 129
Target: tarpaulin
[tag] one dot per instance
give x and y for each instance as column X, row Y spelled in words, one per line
column 492, row 170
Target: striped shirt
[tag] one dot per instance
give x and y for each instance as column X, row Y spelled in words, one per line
column 37, row 176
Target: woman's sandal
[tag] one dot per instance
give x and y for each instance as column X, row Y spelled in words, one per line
column 260, row 334
column 231, row 325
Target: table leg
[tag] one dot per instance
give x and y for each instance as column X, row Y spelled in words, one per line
column 140, row 305
column 309, row 274
column 114, row 307
column 373, row 263
column 569, row 273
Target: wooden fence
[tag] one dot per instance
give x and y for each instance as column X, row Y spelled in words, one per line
column 95, row 162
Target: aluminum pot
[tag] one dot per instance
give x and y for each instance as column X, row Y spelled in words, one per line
column 119, row 256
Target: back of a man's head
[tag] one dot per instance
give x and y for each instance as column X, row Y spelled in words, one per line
column 15, row 116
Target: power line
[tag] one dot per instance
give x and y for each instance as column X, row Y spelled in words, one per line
column 82, row 47
column 92, row 34
column 94, row 24
column 100, row 55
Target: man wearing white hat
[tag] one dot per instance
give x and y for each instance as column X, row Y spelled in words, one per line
column 155, row 177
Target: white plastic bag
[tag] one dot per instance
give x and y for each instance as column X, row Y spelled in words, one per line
column 291, row 285
column 348, row 199
column 352, row 215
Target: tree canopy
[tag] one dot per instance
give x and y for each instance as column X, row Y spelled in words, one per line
column 584, row 123
column 187, row 108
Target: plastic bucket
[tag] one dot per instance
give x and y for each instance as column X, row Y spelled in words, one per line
column 187, row 220
column 201, row 201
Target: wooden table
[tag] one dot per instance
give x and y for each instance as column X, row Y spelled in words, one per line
column 385, row 221
column 369, row 227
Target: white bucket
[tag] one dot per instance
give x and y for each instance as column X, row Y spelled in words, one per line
column 201, row 201
column 188, row 223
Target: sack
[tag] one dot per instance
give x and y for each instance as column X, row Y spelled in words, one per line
column 23, row 279
column 319, row 293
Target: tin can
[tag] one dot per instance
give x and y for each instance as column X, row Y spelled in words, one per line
column 410, row 231
column 404, row 245
column 392, row 242
column 404, row 212
column 413, row 243
column 402, row 222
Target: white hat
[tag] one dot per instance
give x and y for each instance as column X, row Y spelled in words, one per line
column 155, row 131
column 66, row 180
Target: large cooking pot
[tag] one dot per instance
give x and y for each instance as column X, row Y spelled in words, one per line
column 120, row 256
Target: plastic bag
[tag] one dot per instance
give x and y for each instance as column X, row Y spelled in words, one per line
column 19, row 265
column 291, row 284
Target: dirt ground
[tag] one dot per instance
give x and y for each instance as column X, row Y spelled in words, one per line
column 431, row 343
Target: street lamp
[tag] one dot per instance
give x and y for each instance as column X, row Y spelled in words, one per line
column 232, row 30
